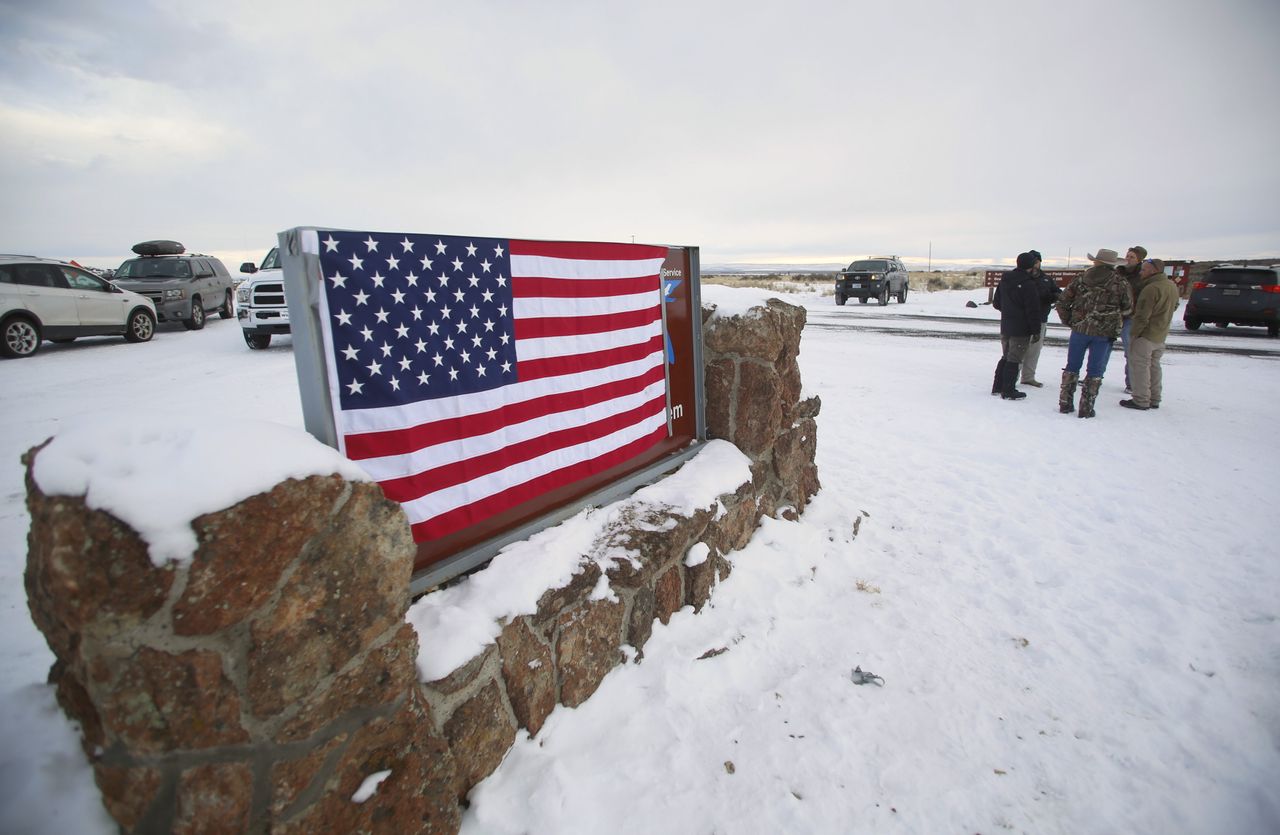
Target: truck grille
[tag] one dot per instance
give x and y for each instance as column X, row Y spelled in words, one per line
column 269, row 295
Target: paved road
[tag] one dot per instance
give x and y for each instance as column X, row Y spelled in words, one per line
column 1250, row 342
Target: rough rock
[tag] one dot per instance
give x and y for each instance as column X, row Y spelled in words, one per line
column 528, row 668
column 479, row 734
column 589, row 647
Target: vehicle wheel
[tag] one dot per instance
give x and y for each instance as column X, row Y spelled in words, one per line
column 196, row 322
column 228, row 310
column 884, row 296
column 63, row 341
column 21, row 337
column 840, row 300
column 1273, row 331
column 862, row 300
column 1191, row 324
column 141, row 326
column 902, row 295
column 256, row 341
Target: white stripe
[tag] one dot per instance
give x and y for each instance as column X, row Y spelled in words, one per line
column 587, row 343
column 451, row 498
column 439, row 455
column 540, row 266
column 537, row 307
column 356, row 421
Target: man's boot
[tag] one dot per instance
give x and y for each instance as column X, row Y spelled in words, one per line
column 1067, row 394
column 998, row 382
column 1088, row 394
column 1009, row 379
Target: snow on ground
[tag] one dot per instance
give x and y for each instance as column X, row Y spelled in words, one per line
column 1077, row 621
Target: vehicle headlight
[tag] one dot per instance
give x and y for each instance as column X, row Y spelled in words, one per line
column 174, row 294
column 242, row 294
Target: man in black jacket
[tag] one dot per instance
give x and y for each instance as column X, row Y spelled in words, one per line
column 1017, row 298
column 1049, row 292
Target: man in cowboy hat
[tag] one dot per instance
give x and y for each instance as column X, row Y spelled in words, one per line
column 1093, row 306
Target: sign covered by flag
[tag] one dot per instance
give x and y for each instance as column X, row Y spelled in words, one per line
column 470, row 375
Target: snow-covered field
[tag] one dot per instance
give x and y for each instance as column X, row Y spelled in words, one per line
column 1077, row 622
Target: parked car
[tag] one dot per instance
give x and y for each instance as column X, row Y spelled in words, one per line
column 260, row 305
column 879, row 278
column 182, row 285
column 45, row 299
column 1235, row 295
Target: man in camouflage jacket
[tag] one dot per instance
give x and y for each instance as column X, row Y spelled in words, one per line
column 1094, row 306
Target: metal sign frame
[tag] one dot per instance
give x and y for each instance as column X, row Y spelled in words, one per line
column 300, row 260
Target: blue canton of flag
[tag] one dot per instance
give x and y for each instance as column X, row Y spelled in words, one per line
column 417, row 317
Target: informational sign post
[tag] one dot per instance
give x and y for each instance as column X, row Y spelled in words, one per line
column 495, row 386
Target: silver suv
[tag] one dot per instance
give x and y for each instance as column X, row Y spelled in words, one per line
column 45, row 299
column 880, row 277
column 182, row 286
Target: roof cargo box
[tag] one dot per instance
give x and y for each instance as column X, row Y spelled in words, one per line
column 159, row 248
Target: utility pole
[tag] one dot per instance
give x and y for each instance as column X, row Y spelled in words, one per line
column 1068, row 257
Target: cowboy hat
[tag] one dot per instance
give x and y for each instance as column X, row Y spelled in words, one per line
column 1105, row 256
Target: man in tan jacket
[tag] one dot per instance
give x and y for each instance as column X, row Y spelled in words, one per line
column 1152, row 313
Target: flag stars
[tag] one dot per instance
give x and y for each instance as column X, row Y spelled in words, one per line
column 375, row 367
column 382, row 315
column 395, row 384
column 405, row 364
column 466, row 356
column 448, row 343
column 453, row 374
column 351, row 353
column 338, row 280
column 458, row 294
column 372, row 244
column 480, row 370
column 424, row 378
column 437, row 359
column 487, row 295
column 330, row 245
column 477, row 340
column 430, row 296
column 407, row 244
column 434, row 327
column 343, row 317
column 393, row 263
column 386, row 350
column 506, row 368
column 475, row 282
column 462, row 326
column 417, row 313
column 446, row 312
column 488, row 325
column 361, row 297
column 426, row 263
column 355, row 388
column 485, row 265
column 497, row 251
column 471, row 249
column 440, row 247
column 377, row 279
column 411, row 279
column 491, row 354
column 421, row 346
column 475, row 312
column 502, row 281
column 457, row 265
column 366, row 333
column 444, row 279
column 398, row 295
column 357, row 263
column 402, row 331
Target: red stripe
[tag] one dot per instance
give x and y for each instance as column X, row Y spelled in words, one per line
column 445, row 430
column 573, row 363
column 449, row 475
column 456, row 520
column 537, row 328
column 582, row 251
column 571, row 288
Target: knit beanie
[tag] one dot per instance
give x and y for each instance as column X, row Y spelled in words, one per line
column 1140, row 251
column 1026, row 261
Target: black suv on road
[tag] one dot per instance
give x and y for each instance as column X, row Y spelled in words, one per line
column 183, row 286
column 878, row 278
column 1231, row 295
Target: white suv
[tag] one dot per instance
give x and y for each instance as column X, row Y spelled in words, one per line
column 45, row 299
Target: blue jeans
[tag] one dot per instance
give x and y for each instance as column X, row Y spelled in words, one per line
column 1098, row 348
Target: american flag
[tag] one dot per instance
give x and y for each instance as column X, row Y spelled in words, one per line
column 469, row 375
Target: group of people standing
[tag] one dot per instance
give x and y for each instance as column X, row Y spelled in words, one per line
column 1130, row 299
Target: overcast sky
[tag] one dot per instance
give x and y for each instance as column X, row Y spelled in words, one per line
column 800, row 132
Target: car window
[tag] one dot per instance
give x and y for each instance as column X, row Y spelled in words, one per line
column 83, row 281
column 154, row 268
column 203, row 269
column 272, row 261
column 1246, row 277
column 33, row 275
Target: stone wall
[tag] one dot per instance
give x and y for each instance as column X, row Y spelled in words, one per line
column 260, row 685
